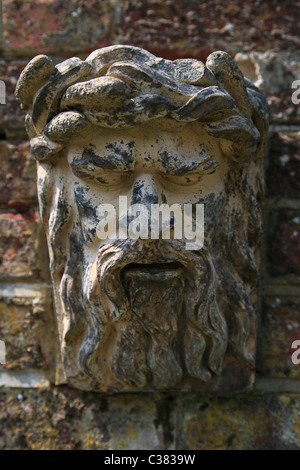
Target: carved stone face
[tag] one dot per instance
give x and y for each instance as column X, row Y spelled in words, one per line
column 161, row 162
column 150, row 314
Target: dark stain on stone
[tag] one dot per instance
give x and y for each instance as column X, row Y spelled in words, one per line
column 142, row 195
column 229, row 440
column 137, row 193
column 176, row 165
column 85, row 208
column 121, row 154
column 97, row 160
column 119, row 158
column 203, row 407
column 164, row 414
column 101, row 180
column 103, row 405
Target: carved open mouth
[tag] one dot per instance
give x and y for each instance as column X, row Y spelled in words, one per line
column 151, row 271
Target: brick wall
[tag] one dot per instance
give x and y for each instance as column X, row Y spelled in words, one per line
column 264, row 38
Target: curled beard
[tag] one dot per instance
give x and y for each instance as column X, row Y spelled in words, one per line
column 152, row 316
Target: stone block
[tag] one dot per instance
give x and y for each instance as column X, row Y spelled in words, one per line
column 253, row 422
column 25, row 326
column 66, row 419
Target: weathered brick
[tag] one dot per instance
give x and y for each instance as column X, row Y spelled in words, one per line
column 280, row 326
column 25, row 327
column 57, row 27
column 180, row 28
column 18, row 175
column 283, row 168
column 11, row 115
column 22, row 251
column 283, row 242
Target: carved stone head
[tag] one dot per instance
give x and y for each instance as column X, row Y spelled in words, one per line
column 150, row 313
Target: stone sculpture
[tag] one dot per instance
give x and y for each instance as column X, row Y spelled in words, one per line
column 149, row 314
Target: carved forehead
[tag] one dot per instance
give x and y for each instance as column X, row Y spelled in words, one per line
column 187, row 138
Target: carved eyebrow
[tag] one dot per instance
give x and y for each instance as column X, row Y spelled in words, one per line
column 117, row 158
column 179, row 166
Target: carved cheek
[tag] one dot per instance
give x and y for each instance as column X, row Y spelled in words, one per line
column 87, row 211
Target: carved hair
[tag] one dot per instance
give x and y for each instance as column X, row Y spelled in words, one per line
column 122, row 86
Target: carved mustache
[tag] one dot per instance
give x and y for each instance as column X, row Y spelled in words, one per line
column 117, row 257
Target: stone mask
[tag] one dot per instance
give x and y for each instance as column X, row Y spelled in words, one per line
column 144, row 314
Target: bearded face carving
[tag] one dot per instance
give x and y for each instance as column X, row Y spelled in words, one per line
column 143, row 313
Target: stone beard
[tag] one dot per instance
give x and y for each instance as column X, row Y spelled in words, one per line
column 148, row 314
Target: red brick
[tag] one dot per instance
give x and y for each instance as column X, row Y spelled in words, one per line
column 21, row 254
column 21, row 323
column 18, row 176
column 11, row 115
column 56, row 27
column 177, row 28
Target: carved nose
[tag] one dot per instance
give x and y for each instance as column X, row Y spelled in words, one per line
column 144, row 191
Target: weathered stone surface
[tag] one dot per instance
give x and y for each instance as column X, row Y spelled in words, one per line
column 18, row 176
column 283, row 248
column 137, row 311
column 69, row 419
column 64, row 419
column 253, row 422
column 283, row 166
column 25, row 326
column 58, row 27
column 22, row 245
column 280, row 327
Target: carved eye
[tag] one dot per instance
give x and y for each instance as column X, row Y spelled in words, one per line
column 188, row 179
column 113, row 180
column 109, row 180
